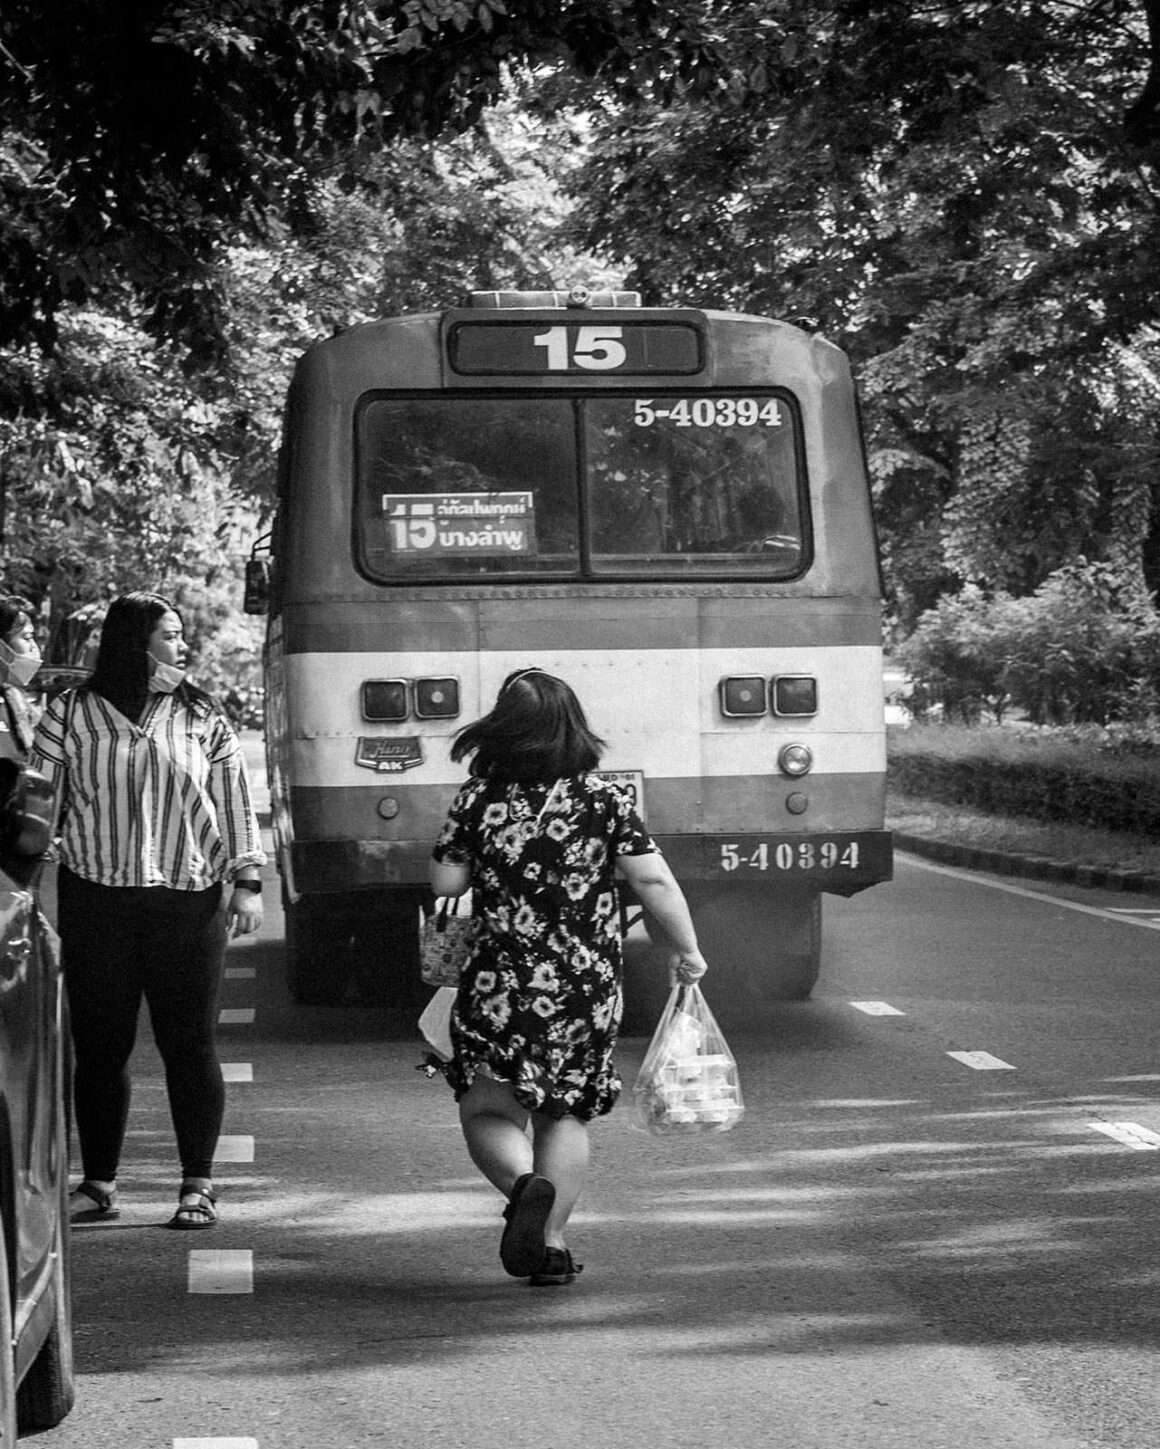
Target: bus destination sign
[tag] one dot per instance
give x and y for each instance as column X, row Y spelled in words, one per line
column 442, row 524
column 574, row 349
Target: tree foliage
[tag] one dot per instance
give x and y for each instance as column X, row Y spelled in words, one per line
column 1082, row 648
column 192, row 190
column 947, row 191
column 138, row 136
column 119, row 465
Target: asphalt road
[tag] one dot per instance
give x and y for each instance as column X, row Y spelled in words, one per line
column 897, row 1246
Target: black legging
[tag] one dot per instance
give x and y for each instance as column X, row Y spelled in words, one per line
column 117, row 945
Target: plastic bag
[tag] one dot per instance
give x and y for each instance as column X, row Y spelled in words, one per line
column 445, row 941
column 435, row 1023
column 688, row 1080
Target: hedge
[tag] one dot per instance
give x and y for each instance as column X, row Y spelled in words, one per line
column 1038, row 778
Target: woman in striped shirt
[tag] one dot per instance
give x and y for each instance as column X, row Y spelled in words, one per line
column 160, row 857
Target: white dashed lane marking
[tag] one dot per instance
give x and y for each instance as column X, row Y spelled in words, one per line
column 877, row 1008
column 1131, row 1134
column 215, row 1444
column 236, row 1016
column 241, row 973
column 237, row 1071
column 981, row 1061
column 221, row 1270
column 235, row 1149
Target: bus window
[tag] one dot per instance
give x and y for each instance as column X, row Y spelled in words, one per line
column 463, row 487
column 467, row 486
column 702, row 485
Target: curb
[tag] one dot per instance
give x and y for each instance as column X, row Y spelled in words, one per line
column 1029, row 867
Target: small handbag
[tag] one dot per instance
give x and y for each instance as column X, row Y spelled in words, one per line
column 446, row 941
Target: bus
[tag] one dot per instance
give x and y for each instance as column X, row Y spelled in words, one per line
column 668, row 508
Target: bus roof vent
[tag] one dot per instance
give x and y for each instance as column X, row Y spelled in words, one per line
column 575, row 297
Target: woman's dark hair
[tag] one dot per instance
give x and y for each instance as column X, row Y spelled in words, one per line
column 121, row 673
column 536, row 732
column 15, row 612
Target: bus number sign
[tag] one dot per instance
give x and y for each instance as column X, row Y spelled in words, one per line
column 623, row 349
column 442, row 524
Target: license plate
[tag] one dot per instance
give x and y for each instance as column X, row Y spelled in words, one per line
column 836, row 855
column 634, row 779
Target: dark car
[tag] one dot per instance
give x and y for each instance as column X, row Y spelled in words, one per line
column 36, row 1370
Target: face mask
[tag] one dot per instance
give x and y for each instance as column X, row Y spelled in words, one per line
column 166, row 677
column 20, row 669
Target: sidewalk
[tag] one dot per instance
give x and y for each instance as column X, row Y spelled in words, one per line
column 1030, row 867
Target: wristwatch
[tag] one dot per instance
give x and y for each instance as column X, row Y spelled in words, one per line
column 248, row 885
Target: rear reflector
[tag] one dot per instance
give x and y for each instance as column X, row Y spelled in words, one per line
column 741, row 695
column 436, row 698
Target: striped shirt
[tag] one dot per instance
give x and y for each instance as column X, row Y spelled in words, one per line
column 162, row 803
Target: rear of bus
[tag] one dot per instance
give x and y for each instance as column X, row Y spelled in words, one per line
column 668, row 509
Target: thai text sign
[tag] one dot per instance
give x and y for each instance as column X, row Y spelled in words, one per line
column 459, row 523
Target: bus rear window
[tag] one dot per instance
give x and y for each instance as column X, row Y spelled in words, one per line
column 700, row 484
column 455, row 487
column 486, row 487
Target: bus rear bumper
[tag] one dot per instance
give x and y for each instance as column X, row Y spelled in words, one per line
column 838, row 862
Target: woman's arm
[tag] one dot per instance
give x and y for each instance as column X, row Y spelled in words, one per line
column 657, row 890
column 229, row 788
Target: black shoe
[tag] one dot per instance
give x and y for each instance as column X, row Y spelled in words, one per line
column 557, row 1269
column 88, row 1203
column 521, row 1249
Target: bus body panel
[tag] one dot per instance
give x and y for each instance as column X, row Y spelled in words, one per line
column 357, row 804
column 399, row 355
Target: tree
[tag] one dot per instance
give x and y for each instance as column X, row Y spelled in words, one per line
column 946, row 191
column 137, row 137
column 121, row 466
column 1081, row 649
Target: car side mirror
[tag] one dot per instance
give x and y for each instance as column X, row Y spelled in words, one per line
column 256, row 599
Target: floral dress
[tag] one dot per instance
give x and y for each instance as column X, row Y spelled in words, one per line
column 539, row 1000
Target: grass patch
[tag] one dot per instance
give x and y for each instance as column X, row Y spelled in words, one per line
column 933, row 820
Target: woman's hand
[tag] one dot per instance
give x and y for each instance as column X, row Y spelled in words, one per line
column 685, row 967
column 243, row 913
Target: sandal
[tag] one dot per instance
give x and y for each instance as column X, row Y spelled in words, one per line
column 88, row 1203
column 521, row 1249
column 558, row 1268
column 195, row 1216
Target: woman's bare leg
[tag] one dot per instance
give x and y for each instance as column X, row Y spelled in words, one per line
column 561, row 1155
column 495, row 1130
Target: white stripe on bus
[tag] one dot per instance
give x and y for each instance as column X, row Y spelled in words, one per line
column 656, row 713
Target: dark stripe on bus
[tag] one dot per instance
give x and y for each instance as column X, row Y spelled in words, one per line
column 525, row 625
column 718, row 803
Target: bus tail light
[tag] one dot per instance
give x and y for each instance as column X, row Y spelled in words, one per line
column 384, row 700
column 436, row 698
column 742, row 695
column 793, row 695
column 795, row 760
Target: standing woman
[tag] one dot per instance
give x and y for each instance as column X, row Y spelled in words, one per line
column 540, row 840
column 160, row 859
column 19, row 662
